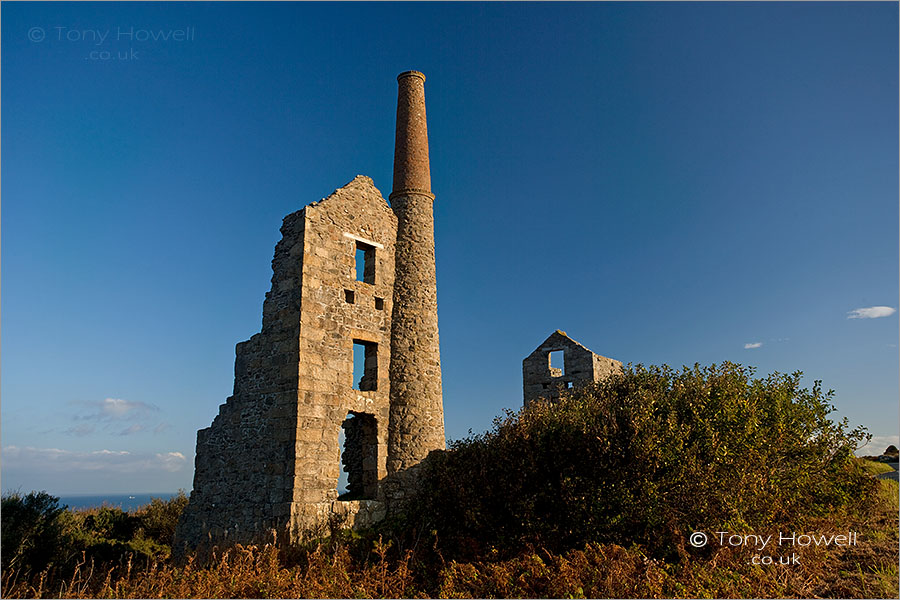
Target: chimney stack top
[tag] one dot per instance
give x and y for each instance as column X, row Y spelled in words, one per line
column 411, row 74
column 412, row 173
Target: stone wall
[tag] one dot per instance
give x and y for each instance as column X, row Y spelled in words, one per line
column 268, row 466
column 339, row 309
column 580, row 366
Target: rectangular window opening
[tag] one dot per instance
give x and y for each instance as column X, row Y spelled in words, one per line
column 365, row 366
column 557, row 363
column 350, row 296
column 379, row 303
column 365, row 263
column 359, row 457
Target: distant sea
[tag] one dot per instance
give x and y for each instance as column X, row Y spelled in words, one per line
column 123, row 501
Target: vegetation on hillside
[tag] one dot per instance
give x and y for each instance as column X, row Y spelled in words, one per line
column 646, row 458
column 875, row 468
column 594, row 496
column 39, row 538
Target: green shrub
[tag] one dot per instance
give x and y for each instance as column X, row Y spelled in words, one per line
column 32, row 532
column 110, row 523
column 159, row 518
column 646, row 457
column 110, row 534
column 38, row 534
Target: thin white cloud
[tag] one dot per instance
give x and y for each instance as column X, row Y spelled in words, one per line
column 80, row 430
column 878, row 444
column 116, row 409
column 171, row 461
column 113, row 416
column 55, row 460
column 136, row 428
column 752, row 345
column 162, row 427
column 871, row 312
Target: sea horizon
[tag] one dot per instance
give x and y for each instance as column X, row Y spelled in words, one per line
column 124, row 501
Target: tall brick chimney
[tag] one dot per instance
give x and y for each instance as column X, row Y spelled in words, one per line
column 417, row 411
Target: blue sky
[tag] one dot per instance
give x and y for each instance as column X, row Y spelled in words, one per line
column 667, row 182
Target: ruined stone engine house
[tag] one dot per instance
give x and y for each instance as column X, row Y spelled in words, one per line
column 559, row 365
column 353, row 279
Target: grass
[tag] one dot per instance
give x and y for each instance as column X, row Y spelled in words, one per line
column 875, row 468
column 366, row 568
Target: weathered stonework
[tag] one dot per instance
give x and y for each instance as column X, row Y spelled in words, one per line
column 579, row 367
column 268, row 466
column 416, row 396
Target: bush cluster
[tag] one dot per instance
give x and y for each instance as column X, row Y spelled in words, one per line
column 33, row 527
column 646, row 457
column 38, row 534
column 365, row 567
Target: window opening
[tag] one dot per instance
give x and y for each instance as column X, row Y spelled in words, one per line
column 365, row 366
column 365, row 263
column 359, row 457
column 557, row 363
